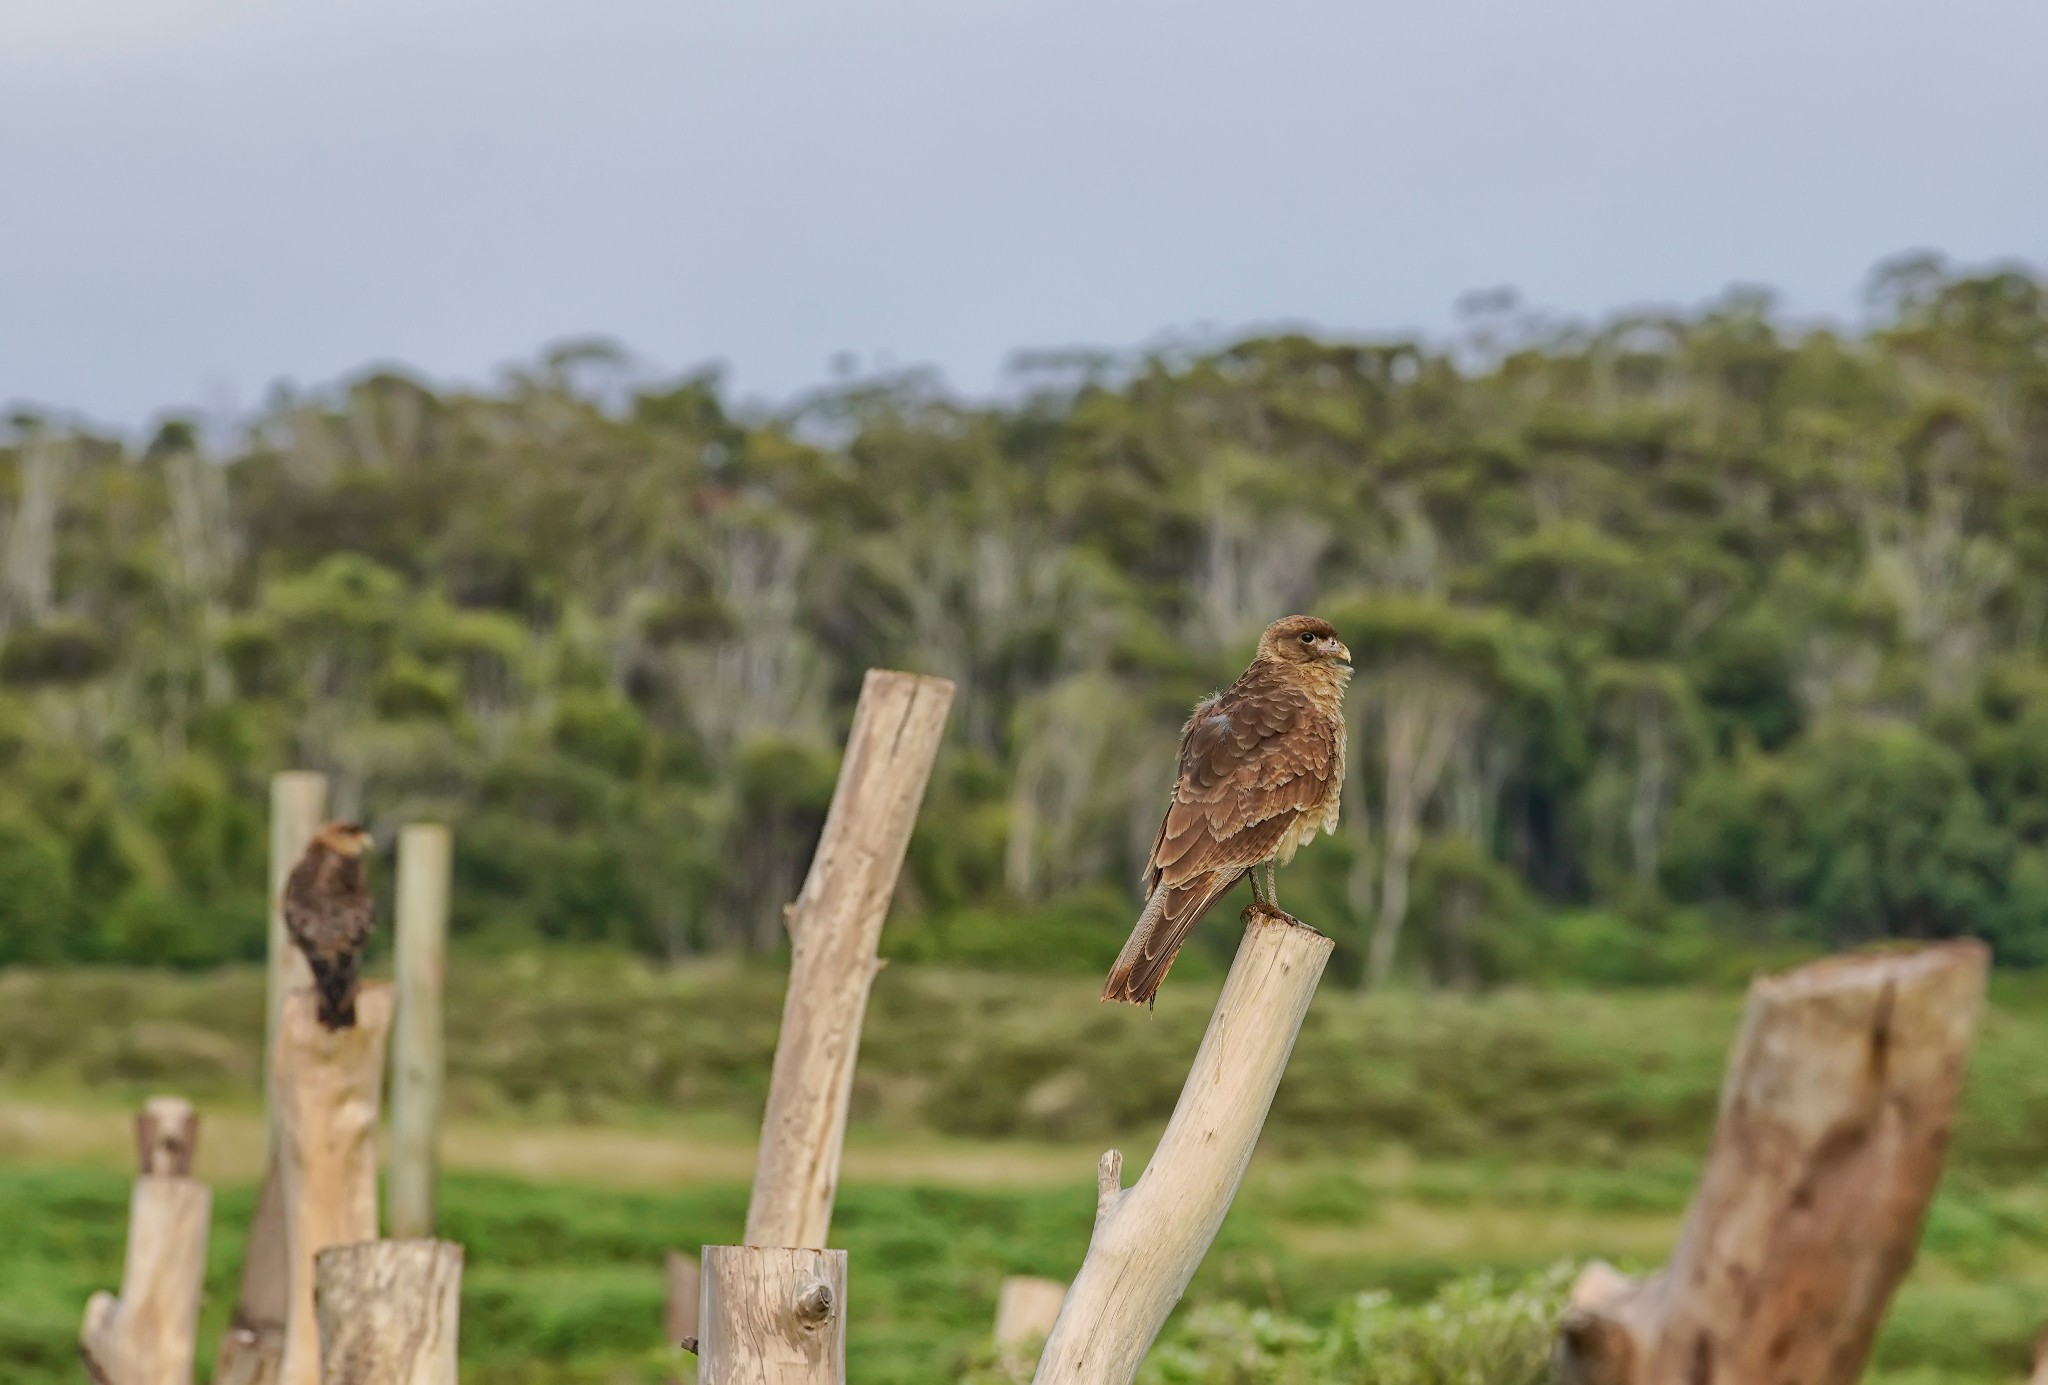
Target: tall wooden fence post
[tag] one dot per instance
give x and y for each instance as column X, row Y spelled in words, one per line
column 1835, row 1119
column 773, row 1316
column 325, row 1091
column 148, row 1335
column 389, row 1312
column 253, row 1348
column 835, row 927
column 416, row 1057
column 1150, row 1238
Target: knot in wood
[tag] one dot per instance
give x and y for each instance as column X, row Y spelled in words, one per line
column 814, row 1305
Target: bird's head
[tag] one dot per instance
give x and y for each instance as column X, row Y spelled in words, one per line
column 1303, row 640
column 344, row 838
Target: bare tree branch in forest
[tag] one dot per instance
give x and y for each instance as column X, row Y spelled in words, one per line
column 31, row 567
column 1423, row 713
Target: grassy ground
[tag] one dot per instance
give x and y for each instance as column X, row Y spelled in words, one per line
column 1415, row 1140
column 564, row 1280
column 1583, row 1078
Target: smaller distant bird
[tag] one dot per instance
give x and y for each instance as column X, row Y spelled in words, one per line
column 328, row 914
column 1261, row 772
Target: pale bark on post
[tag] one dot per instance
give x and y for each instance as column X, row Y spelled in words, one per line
column 1026, row 1308
column 773, row 1315
column 835, row 927
column 149, row 1334
column 421, row 967
column 1150, row 1238
column 388, row 1312
column 251, row 1351
column 1835, row 1120
column 2040, row 1376
column 325, row 1087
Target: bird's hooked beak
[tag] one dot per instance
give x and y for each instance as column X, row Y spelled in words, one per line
column 1334, row 648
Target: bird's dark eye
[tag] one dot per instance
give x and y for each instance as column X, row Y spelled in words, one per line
column 1308, row 637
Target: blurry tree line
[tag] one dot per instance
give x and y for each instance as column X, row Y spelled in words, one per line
column 1672, row 633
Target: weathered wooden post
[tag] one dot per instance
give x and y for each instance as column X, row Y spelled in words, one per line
column 148, row 1335
column 388, row 1312
column 1149, row 1238
column 774, row 1309
column 1835, row 1120
column 773, row 1316
column 254, row 1345
column 421, row 967
column 325, row 1086
column 835, row 927
column 2040, row 1376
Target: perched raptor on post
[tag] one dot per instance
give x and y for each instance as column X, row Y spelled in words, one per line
column 1261, row 771
column 327, row 913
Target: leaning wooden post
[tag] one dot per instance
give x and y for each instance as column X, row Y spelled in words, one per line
column 1150, row 1238
column 416, row 1064
column 148, row 1335
column 325, row 1090
column 773, row 1316
column 254, row 1345
column 835, row 927
column 388, row 1312
column 1835, row 1119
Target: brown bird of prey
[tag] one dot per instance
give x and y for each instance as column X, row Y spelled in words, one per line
column 1261, row 770
column 327, row 913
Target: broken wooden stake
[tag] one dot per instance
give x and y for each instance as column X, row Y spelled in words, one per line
column 149, row 1334
column 1835, row 1119
column 835, row 927
column 773, row 1316
column 679, row 1312
column 388, row 1312
column 325, row 1086
column 1150, row 1238
column 1026, row 1308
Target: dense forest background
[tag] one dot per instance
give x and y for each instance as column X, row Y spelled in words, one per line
column 1681, row 639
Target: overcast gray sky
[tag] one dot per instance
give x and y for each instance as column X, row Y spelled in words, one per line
column 198, row 197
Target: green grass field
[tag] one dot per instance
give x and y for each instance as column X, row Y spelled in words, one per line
column 1416, row 1140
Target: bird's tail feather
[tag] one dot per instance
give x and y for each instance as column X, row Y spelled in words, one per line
column 1169, row 916
column 334, row 981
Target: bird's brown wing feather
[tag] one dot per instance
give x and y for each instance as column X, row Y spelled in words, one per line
column 1251, row 762
column 328, row 912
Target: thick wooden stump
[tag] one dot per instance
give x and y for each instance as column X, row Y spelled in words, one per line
column 149, row 1334
column 1834, row 1123
column 773, row 1316
column 835, row 927
column 1150, row 1238
column 388, row 1312
column 325, row 1088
